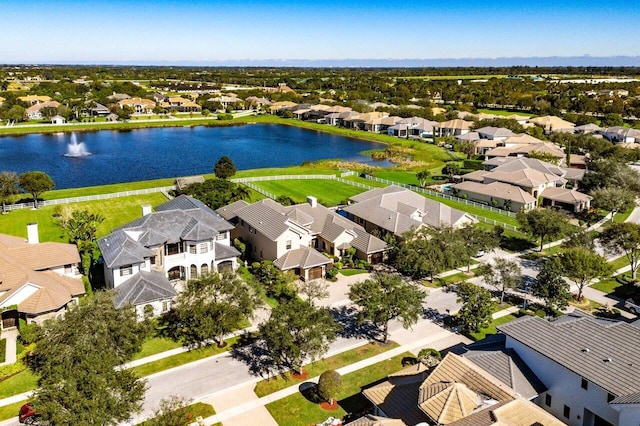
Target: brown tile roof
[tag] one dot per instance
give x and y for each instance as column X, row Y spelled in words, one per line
column 497, row 190
column 304, row 258
column 371, row 420
column 565, row 195
column 45, row 255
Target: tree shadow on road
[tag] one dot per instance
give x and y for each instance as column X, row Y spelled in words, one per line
column 255, row 355
column 347, row 318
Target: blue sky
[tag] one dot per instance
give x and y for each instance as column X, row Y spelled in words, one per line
column 194, row 31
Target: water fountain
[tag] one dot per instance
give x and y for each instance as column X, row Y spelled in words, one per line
column 75, row 149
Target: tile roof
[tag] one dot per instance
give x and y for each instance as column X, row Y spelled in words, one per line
column 509, row 368
column 496, row 132
column 371, row 420
column 399, row 210
column 510, row 413
column 456, row 124
column 497, row 190
column 584, row 345
column 303, row 258
column 565, row 195
column 142, row 288
column 181, row 219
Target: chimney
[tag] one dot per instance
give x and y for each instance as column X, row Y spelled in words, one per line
column 313, row 201
column 32, row 233
column 146, row 209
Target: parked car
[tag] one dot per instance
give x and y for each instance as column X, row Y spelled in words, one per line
column 632, row 306
column 27, row 415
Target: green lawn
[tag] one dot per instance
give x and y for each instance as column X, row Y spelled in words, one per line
column 266, row 387
column 297, row 410
column 351, row 272
column 400, row 176
column 457, row 277
column 620, row 285
column 182, row 358
column 21, row 382
column 11, row 411
column 116, row 211
column 328, row 193
column 620, row 262
column 3, row 349
column 491, row 329
column 156, row 345
column 622, row 216
column 106, row 189
column 504, row 112
column 475, row 210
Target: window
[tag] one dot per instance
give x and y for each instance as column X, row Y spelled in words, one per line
column 288, row 244
column 126, row 270
column 547, row 400
column 152, row 260
column 193, row 272
column 221, row 236
column 584, row 384
column 204, row 247
column 165, row 306
column 68, row 269
column 610, row 397
column 193, row 249
column 173, row 249
column 567, row 411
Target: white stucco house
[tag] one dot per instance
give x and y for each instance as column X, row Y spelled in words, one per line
column 146, row 260
column 588, row 365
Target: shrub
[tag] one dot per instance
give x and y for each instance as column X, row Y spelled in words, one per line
column 329, row 385
column 28, row 332
column 472, row 164
column 429, row 357
column 332, row 273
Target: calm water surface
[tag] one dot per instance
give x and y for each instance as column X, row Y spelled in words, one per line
column 170, row 152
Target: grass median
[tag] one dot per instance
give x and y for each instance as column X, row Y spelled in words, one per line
column 285, row 380
column 299, row 410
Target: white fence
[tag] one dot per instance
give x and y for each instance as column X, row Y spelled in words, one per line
column 21, row 206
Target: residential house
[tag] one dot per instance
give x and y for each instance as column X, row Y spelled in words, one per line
column 159, row 97
column 457, row 392
column 413, row 127
column 94, row 109
column 620, row 134
column 34, row 112
column 363, row 121
column 38, row 281
column 588, row 365
column 522, row 139
column 397, row 210
column 256, row 102
column 589, row 128
column 293, row 236
column 146, row 260
column 455, row 127
column 118, row 97
column 526, row 150
column 516, row 183
column 277, row 107
column 494, row 133
column 226, row 101
column 34, row 99
column 139, row 105
column 551, row 124
column 180, row 104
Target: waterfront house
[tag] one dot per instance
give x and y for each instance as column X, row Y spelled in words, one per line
column 38, row 281
column 455, row 127
column 139, row 105
column 147, row 260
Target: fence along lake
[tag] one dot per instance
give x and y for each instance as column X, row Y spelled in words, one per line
column 142, row 154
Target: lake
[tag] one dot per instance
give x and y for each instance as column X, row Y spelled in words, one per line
column 143, row 154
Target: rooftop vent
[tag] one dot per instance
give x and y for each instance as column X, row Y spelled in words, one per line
column 585, row 350
column 608, row 360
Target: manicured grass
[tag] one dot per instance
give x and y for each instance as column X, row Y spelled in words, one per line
column 106, row 189
column 400, row 176
column 11, row 411
column 587, row 305
column 351, row 272
column 156, row 345
column 266, row 387
column 191, row 412
column 116, row 211
column 183, row 358
column 475, row 210
column 620, row 262
column 457, row 277
column 622, row 216
column 491, row 329
column 3, row 350
column 21, row 382
column 297, row 410
column 504, row 112
column 621, row 286
column 328, row 193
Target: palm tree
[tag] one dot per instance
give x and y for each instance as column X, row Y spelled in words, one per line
column 240, row 192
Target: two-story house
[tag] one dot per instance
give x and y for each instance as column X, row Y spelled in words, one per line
column 38, row 281
column 588, row 365
column 146, row 260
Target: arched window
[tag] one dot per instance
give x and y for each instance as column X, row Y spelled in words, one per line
column 204, row 269
column 193, row 273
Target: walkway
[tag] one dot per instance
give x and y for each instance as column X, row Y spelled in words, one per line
column 10, row 336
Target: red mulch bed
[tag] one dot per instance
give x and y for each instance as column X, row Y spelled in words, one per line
column 302, row 376
column 329, row 407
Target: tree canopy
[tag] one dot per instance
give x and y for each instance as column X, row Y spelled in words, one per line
column 504, row 274
column 543, row 223
column 224, row 168
column 582, row 266
column 477, row 307
column 210, row 307
column 35, row 183
column 75, row 358
column 216, row 193
column 296, row 331
column 8, row 187
column 623, row 238
column 550, row 286
column 387, row 297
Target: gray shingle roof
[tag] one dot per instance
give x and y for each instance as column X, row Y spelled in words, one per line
column 119, row 249
column 566, row 341
column 144, row 287
column 224, row 251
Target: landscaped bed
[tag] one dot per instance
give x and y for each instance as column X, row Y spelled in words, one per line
column 297, row 410
column 266, row 387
